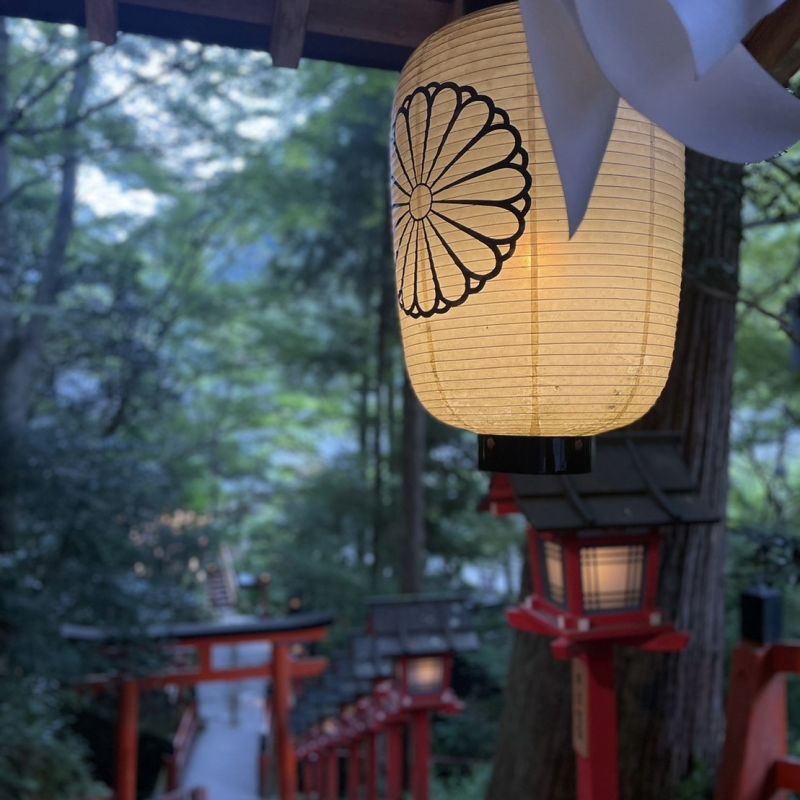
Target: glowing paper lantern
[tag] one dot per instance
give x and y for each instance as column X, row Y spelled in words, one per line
column 510, row 327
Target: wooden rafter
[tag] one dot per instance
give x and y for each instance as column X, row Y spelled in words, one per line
column 399, row 22
column 775, row 42
column 378, row 33
column 288, row 32
column 102, row 20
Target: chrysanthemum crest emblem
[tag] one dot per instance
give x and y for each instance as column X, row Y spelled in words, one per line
column 455, row 157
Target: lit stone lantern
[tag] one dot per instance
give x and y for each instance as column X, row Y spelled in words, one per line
column 421, row 634
column 424, row 676
column 594, row 546
column 595, row 540
column 510, row 328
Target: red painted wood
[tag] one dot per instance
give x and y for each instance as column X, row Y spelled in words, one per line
column 182, row 743
column 306, row 778
column 282, row 698
column 501, row 499
column 319, row 775
column 421, row 755
column 785, row 657
column 598, row 777
column 652, row 571
column 394, row 761
column 354, row 771
column 572, row 573
column 127, row 744
column 786, row 774
column 302, row 669
column 331, row 760
column 372, row 766
column 757, row 731
column 536, row 566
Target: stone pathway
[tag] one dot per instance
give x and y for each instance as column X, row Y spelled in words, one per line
column 225, row 757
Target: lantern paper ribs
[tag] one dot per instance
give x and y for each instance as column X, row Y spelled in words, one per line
column 511, row 328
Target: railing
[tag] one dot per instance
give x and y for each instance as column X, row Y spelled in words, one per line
column 755, row 761
column 182, row 744
column 264, row 764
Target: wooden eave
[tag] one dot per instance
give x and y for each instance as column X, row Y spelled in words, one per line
column 366, row 33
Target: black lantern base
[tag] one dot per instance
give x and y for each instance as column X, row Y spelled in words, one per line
column 535, row 455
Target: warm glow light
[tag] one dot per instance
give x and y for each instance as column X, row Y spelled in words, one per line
column 329, row 727
column 509, row 327
column 425, row 675
column 554, row 571
column 612, row 577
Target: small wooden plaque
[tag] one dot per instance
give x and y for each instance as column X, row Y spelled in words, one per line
column 580, row 707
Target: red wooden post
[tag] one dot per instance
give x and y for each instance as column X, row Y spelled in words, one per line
column 319, row 776
column 282, row 683
column 127, row 744
column 372, row 766
column 594, row 718
column 354, row 771
column 307, row 777
column 331, row 761
column 421, row 743
column 394, row 759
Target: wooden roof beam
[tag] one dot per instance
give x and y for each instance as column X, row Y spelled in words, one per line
column 102, row 20
column 288, row 32
column 399, row 22
column 775, row 41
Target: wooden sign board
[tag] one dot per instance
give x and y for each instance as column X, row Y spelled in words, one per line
column 580, row 707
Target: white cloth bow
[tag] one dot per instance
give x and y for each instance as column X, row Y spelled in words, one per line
column 680, row 63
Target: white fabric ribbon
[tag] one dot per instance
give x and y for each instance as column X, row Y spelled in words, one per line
column 680, row 63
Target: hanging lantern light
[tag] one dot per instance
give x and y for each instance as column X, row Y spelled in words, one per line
column 510, row 327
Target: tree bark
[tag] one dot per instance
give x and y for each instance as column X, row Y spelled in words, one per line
column 412, row 546
column 671, row 706
column 21, row 351
column 5, row 189
column 21, row 342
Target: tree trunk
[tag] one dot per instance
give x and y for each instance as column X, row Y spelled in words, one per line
column 385, row 320
column 5, row 188
column 671, row 706
column 412, row 546
column 21, row 343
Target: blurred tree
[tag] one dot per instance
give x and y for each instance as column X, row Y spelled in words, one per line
column 198, row 342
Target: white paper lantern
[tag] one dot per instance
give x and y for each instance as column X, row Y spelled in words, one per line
column 509, row 326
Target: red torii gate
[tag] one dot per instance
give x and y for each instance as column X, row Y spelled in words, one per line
column 200, row 639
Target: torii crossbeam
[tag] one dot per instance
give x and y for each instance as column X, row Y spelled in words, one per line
column 190, row 647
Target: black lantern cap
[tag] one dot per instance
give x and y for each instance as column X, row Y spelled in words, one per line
column 344, row 677
column 640, row 480
column 368, row 664
column 535, row 455
column 762, row 615
column 421, row 625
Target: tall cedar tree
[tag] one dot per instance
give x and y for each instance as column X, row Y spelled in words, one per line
column 671, row 706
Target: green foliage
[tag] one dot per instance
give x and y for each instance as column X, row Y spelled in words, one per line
column 216, row 358
column 699, row 785
column 219, row 361
column 40, row 758
column 472, row 787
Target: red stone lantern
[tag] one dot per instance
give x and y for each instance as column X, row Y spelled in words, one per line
column 591, row 585
column 594, row 546
column 421, row 635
